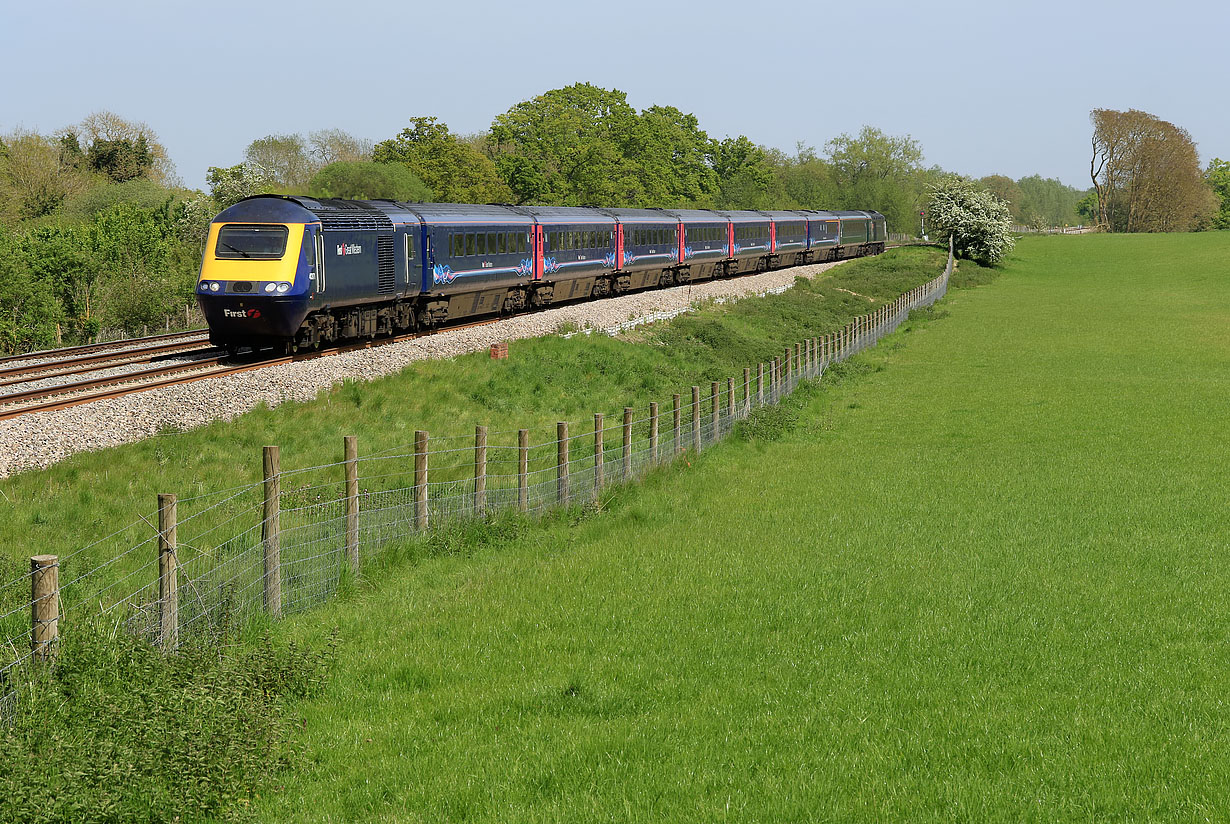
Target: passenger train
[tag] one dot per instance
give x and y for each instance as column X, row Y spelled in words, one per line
column 294, row 273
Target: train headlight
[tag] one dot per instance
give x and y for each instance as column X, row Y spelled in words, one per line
column 283, row 288
column 214, row 286
column 269, row 287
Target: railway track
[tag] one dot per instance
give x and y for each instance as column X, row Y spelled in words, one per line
column 63, row 396
column 115, row 347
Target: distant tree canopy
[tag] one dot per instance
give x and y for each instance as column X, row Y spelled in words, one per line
column 96, row 232
column 1217, row 175
column 1036, row 201
column 1147, row 174
column 365, row 180
column 289, row 161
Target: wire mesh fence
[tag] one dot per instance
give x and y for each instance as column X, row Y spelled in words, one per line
column 201, row 564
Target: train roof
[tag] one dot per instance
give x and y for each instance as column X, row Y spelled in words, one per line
column 784, row 215
column 266, row 209
column 696, row 215
column 744, row 216
column 567, row 214
column 854, row 213
column 465, row 213
column 630, row 216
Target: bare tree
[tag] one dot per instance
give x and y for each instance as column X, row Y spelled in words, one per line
column 331, row 145
column 283, row 158
column 109, row 126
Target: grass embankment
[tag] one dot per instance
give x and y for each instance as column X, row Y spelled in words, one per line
column 91, row 495
column 118, row 732
column 983, row 578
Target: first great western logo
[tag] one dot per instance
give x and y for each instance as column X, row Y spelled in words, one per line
column 349, row 249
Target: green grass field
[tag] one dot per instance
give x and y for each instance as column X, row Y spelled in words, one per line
column 982, row 578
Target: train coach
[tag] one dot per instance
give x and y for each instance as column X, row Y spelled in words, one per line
column 294, row 273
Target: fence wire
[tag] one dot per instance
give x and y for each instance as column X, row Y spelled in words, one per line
column 226, row 569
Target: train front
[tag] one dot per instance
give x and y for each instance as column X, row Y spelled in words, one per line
column 257, row 276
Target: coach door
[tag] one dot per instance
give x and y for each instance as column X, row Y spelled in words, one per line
column 316, row 261
column 537, row 251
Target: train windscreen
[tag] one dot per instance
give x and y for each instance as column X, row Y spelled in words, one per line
column 256, row 242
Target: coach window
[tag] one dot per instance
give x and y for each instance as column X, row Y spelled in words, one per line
column 470, row 243
column 482, row 244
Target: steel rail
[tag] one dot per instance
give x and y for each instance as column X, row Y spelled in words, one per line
column 98, row 360
column 96, row 347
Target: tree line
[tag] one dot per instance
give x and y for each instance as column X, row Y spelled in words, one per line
column 97, row 232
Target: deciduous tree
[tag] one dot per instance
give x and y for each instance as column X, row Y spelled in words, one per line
column 672, row 151
column 365, row 180
column 574, row 146
column 878, row 171
column 745, row 174
column 1006, row 189
column 1147, row 174
column 1218, row 177
column 104, row 127
column 35, row 177
column 453, row 170
column 283, row 158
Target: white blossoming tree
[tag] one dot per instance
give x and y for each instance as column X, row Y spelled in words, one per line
column 228, row 186
column 978, row 221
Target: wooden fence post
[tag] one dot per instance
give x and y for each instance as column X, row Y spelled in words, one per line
column 44, row 606
column 561, row 460
column 760, row 384
column 523, row 469
column 599, row 454
column 653, row 431
column 168, row 573
column 747, row 389
column 696, row 419
column 715, row 411
column 678, row 421
column 480, row 469
column 420, row 479
column 350, row 450
column 730, row 401
column 271, row 531
column 627, row 443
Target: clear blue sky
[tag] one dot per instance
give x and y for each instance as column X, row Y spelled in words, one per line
column 985, row 87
